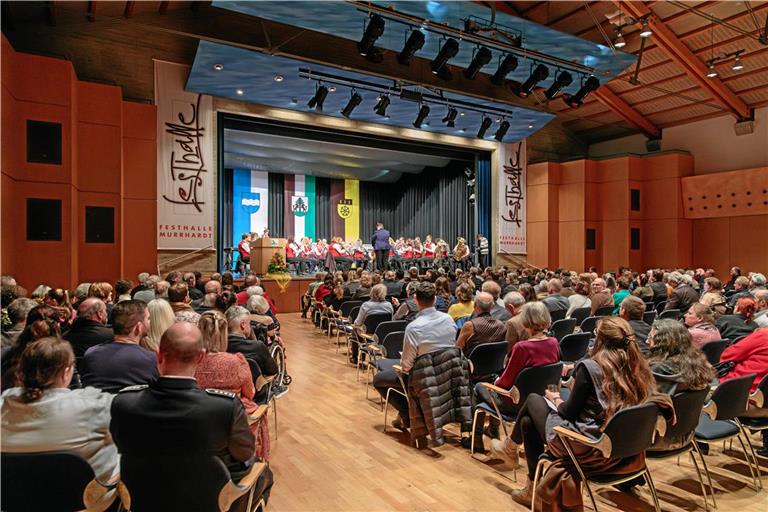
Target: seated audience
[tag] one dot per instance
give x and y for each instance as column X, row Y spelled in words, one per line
column 713, row 296
column 741, row 289
column 658, row 286
column 324, row 290
column 121, row 362
column 749, row 355
column 429, row 332
column 89, row 328
column 250, row 280
column 464, row 305
column 528, row 292
column 178, row 297
column 632, row 310
column 123, row 290
column 191, row 281
column 642, row 290
column 740, row 323
column 212, row 291
column 161, row 289
column 262, row 323
column 623, row 291
column 161, row 317
column 18, row 310
column 761, row 314
column 554, row 301
column 335, row 299
column 579, row 298
column 516, row 331
column 444, row 298
column 407, row 309
column 42, row 321
column 363, row 291
column 601, row 295
column 679, row 366
column 394, row 287
column 482, row 327
column 700, row 323
column 240, row 340
column 183, row 419
column 498, row 311
column 377, row 304
column 683, row 295
column 43, row 415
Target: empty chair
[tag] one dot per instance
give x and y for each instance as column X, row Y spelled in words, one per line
column 560, row 328
column 649, row 317
column 580, row 314
column 605, row 311
column 674, row 314
column 487, row 360
column 573, row 347
column 713, row 350
column 44, row 481
column 589, row 324
column 557, row 315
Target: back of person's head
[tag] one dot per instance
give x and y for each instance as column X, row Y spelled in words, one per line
column 212, row 287
column 235, row 316
column 535, row 317
column 634, row 307
column 10, row 293
column 254, row 290
column 7, row 281
column 142, row 277
column 122, row 287
column 214, row 330
column 250, row 280
column 161, row 289
column 715, row 285
column 181, row 344
column 528, row 292
column 178, row 292
column 42, row 364
column 441, row 287
column 658, row 275
column 746, row 306
column 42, row 321
column 554, row 286
column 225, row 300
column 582, row 287
column 257, row 304
column 19, row 309
column 40, row 291
column 57, row 297
column 464, row 293
column 90, row 308
column 425, row 294
column 484, row 302
column 514, row 299
column 493, row 288
column 161, row 317
column 379, row 293
column 126, row 314
column 227, row 278
column 101, row 290
column 672, row 345
column 757, row 279
column 623, row 283
column 702, row 311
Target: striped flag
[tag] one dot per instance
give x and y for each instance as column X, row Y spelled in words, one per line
column 300, row 206
column 345, row 209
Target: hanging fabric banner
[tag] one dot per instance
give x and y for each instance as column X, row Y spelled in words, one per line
column 345, row 209
column 250, row 203
column 300, row 207
column 512, row 191
column 185, row 175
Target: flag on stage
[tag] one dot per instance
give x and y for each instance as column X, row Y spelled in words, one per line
column 300, row 206
column 345, row 217
column 250, row 202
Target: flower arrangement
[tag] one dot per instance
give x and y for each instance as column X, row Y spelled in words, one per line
column 277, row 264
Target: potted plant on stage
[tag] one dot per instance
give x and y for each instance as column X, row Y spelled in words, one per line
column 278, row 271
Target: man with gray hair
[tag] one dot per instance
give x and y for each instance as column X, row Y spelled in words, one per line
column 255, row 351
column 17, row 314
column 756, row 282
column 141, row 285
column 514, row 301
column 191, row 281
column 554, row 301
column 683, row 295
column 147, row 294
column 482, row 327
column 81, row 292
column 89, row 328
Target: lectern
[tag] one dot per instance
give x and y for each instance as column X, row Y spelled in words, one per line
column 262, row 251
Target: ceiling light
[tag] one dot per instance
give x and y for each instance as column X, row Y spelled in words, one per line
column 502, row 131
column 507, row 65
column 450, row 117
column 461, row 114
column 645, row 29
column 354, row 100
column 530, row 126
column 563, row 80
column 423, row 113
column 482, row 57
column 575, row 100
column 414, row 43
column 737, row 64
column 279, row 78
column 317, row 100
column 541, row 72
column 240, row 92
column 218, row 67
column 332, row 88
column 620, row 42
column 484, row 125
column 381, row 105
column 711, row 71
column 447, row 52
column 373, row 31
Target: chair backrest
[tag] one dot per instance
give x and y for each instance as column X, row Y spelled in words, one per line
column 580, row 314
column 372, row 321
column 347, row 306
column 488, row 358
column 392, row 344
column 649, row 317
column 43, row 481
column 674, row 314
column 573, row 347
column 660, row 306
column 535, row 379
column 688, row 405
column 353, row 313
column 589, row 324
column 387, row 327
column 563, row 327
column 605, row 311
column 713, row 350
column 731, row 397
column 631, row 429
column 557, row 315
column 173, row 482
column 650, row 306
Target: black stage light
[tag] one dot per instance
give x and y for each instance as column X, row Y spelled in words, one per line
column 450, row 117
column 541, row 72
column 414, row 43
column 575, row 100
column 381, row 105
column 502, row 131
column 317, row 100
column 484, row 127
column 373, row 31
column 482, row 57
column 564, row 79
column 423, row 113
column 447, row 52
column 354, row 101
column 508, row 65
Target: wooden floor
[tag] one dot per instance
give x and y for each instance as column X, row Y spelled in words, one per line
column 332, row 454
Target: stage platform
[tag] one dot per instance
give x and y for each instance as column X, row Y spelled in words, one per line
column 287, row 295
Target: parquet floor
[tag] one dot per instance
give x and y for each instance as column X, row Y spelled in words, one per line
column 332, row 454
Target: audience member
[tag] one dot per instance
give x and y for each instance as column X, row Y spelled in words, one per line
column 444, row 298
column 632, row 310
column 677, row 364
column 122, row 362
column 622, row 284
column 161, row 317
column 601, row 295
column 262, row 324
column 89, row 328
column 683, row 295
column 482, row 327
column 464, row 305
column 554, row 301
column 748, row 356
column 191, row 281
column 225, row 300
column 161, row 289
column 147, row 291
column 178, row 297
column 658, row 286
column 240, row 340
column 740, row 323
column 498, row 311
column 579, row 298
column 761, row 314
column 250, row 280
column 700, row 323
column 363, row 291
column 377, row 304
column 713, row 296
column 141, row 279
column 123, row 290
column 18, row 310
column 516, row 331
column 528, row 292
column 42, row 321
column 408, row 309
column 212, row 291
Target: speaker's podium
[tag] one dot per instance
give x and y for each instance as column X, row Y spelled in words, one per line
column 262, row 251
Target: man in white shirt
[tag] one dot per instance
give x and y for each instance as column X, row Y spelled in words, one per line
column 429, row 332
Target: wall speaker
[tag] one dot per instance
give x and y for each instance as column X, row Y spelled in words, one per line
column 99, row 225
column 43, row 219
column 43, row 142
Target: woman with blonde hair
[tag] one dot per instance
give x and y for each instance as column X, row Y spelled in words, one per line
column 101, row 290
column 161, row 317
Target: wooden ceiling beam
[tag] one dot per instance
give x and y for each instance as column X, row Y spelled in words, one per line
column 607, row 97
column 91, row 13
column 128, row 11
column 163, row 7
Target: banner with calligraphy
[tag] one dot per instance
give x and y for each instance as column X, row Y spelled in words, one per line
column 185, row 172
column 512, row 194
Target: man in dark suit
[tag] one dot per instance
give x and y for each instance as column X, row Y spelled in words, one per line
column 239, row 340
column 380, row 242
column 89, row 328
column 182, row 418
column 683, row 296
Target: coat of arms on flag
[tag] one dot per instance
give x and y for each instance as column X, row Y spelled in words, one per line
column 299, row 205
column 344, row 208
column 250, row 201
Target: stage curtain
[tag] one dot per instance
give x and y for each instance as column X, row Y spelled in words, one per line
column 276, row 198
column 227, row 209
column 483, row 198
column 323, row 201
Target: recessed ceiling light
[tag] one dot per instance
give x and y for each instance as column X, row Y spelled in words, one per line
column 240, row 92
column 294, row 100
column 498, row 120
column 331, row 88
column 279, row 78
column 218, row 67
column 530, row 126
column 461, row 113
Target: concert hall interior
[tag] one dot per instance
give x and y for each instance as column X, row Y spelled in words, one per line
column 384, row 255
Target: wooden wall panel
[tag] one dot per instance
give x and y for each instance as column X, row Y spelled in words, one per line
column 98, row 261
column 749, row 242
column 712, row 244
column 726, row 194
column 99, row 158
column 139, row 243
column 99, row 104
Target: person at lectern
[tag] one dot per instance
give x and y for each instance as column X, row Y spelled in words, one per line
column 380, row 242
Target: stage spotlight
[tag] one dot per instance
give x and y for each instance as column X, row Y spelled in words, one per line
column 373, row 31
column 354, row 100
column 450, row 117
column 487, row 122
column 563, row 80
column 414, row 43
column 508, row 65
column 423, row 113
column 502, row 131
column 447, row 52
column 541, row 72
column 737, row 64
column 645, row 29
column 317, row 100
column 575, row 100
column 620, row 42
column 482, row 57
column 381, row 105
column 711, row 71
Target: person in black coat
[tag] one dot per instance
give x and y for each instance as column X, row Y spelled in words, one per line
column 89, row 328
column 240, row 340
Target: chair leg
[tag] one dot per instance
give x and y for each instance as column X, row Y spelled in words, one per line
column 536, row 474
column 749, row 462
column 648, row 479
column 591, row 496
column 274, row 411
column 706, row 472
column 752, row 452
column 472, row 433
column 386, row 408
column 701, row 480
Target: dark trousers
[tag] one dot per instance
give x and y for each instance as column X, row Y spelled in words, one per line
column 482, row 260
column 298, row 262
column 530, row 430
column 481, row 395
column 382, row 257
column 386, row 379
column 343, row 263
